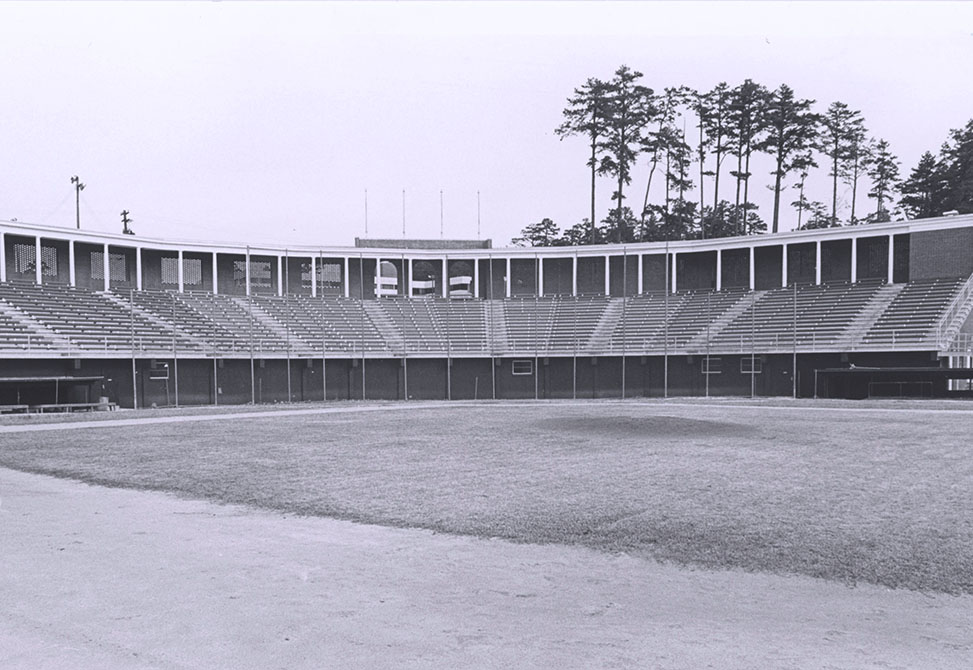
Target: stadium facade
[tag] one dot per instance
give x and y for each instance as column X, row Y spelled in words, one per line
column 878, row 309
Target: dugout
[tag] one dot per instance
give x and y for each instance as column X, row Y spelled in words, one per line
column 22, row 393
column 858, row 383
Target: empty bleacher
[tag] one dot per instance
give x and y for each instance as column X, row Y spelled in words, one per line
column 839, row 316
column 913, row 314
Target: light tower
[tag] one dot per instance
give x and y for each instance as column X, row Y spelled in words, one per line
column 78, row 187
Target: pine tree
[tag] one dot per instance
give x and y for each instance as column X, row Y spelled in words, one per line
column 839, row 123
column 883, row 170
column 957, row 159
column 585, row 116
column 802, row 164
column 746, row 105
column 541, row 234
column 629, row 111
column 791, row 129
column 924, row 192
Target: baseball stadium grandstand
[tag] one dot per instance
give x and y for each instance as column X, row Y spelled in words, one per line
column 92, row 320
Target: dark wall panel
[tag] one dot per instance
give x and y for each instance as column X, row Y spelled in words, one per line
column 941, row 253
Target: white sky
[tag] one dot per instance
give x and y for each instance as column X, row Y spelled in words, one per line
column 266, row 122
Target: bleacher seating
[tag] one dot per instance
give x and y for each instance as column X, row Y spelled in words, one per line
column 822, row 316
column 827, row 317
column 912, row 316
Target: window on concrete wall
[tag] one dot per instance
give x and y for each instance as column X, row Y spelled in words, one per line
column 117, row 266
column 751, row 366
column 523, row 367
column 712, row 365
column 192, row 271
column 330, row 275
column 25, row 255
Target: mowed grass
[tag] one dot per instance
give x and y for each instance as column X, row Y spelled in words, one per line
column 853, row 495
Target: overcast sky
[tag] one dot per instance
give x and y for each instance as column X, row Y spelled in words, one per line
column 253, row 122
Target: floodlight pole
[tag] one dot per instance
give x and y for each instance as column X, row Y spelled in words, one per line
column 794, row 361
column 78, row 187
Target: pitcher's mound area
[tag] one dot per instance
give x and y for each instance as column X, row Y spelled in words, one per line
column 109, row 578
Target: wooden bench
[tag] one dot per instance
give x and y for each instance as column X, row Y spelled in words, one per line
column 74, row 407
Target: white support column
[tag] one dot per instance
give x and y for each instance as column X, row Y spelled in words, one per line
column 752, row 268
column 607, row 275
column 138, row 269
column 507, row 280
column 71, row 274
column 182, row 287
column 280, row 275
column 574, row 275
column 347, row 275
column 314, row 278
column 719, row 269
column 216, row 282
column 246, row 271
column 540, row 275
column 37, row 261
column 891, row 256
column 104, row 264
column 445, row 276
column 640, row 283
column 783, row 266
column 675, row 265
column 817, row 262
column 854, row 259
column 476, row 277
column 408, row 278
column 3, row 257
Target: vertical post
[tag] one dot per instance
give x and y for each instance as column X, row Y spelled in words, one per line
column 3, row 258
column 71, row 273
column 794, row 361
column 216, row 287
column 607, row 275
column 783, row 266
column 476, row 277
column 719, row 269
column 246, row 271
column 640, row 282
column 507, row 280
column 280, row 275
column 540, row 276
column 138, row 269
column 817, row 262
column 38, row 279
column 574, row 274
column 314, row 278
column 675, row 266
column 105, row 267
column 347, row 278
column 752, row 269
column 131, row 312
column 445, row 276
column 891, row 256
column 216, row 383
column 854, row 259
column 179, row 273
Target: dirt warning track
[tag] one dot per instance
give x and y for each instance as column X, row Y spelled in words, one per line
column 110, row 578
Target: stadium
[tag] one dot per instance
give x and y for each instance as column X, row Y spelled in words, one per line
column 878, row 310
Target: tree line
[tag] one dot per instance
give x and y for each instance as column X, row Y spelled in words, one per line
column 627, row 125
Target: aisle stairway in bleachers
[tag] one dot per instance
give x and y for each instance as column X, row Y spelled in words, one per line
column 57, row 320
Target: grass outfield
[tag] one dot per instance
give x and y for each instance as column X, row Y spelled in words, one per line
column 853, row 495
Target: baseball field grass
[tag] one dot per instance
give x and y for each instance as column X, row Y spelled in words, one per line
column 860, row 493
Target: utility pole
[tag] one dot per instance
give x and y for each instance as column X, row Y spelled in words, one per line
column 125, row 221
column 78, row 187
